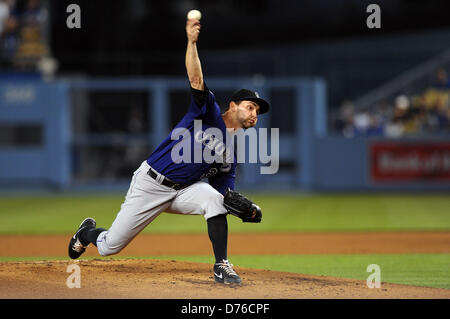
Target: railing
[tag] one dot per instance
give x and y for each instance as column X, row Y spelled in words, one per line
column 410, row 82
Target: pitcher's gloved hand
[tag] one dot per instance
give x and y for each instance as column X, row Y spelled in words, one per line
column 240, row 206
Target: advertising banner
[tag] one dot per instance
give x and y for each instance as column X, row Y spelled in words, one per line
column 410, row 162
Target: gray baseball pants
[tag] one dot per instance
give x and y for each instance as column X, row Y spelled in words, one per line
column 146, row 199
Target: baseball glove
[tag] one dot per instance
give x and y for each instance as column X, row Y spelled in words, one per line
column 240, row 206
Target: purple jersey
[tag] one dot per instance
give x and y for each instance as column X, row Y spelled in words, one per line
column 221, row 174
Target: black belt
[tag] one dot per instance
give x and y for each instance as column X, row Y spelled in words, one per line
column 166, row 182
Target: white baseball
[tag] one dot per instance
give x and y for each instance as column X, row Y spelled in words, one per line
column 194, row 14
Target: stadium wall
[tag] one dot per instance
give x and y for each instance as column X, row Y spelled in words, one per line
column 37, row 141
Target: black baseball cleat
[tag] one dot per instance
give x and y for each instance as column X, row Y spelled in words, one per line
column 225, row 274
column 76, row 248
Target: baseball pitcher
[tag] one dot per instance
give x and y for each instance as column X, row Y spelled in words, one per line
column 161, row 184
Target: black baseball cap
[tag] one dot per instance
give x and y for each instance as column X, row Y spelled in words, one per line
column 249, row 95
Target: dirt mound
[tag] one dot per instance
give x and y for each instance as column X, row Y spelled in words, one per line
column 244, row 244
column 106, row 278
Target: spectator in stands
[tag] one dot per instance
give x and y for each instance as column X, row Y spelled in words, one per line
column 427, row 112
column 376, row 127
column 419, row 113
column 395, row 127
column 441, row 114
column 9, row 27
column 361, row 123
column 4, row 14
column 404, row 115
column 32, row 46
column 385, row 111
column 345, row 119
column 442, row 80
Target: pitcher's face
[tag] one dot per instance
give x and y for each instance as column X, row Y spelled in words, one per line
column 247, row 114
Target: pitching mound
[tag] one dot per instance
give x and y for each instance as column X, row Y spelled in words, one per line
column 243, row 244
column 106, row 278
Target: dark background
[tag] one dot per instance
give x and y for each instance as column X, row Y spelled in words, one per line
column 138, row 37
column 256, row 40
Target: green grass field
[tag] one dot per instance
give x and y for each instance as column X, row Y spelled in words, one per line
column 287, row 213
column 60, row 214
